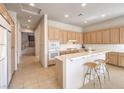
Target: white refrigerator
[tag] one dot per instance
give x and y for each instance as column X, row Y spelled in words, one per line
column 5, row 57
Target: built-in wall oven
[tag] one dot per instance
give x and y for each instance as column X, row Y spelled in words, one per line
column 54, row 47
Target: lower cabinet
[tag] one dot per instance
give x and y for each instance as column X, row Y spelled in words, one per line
column 113, row 56
column 116, row 58
column 121, row 59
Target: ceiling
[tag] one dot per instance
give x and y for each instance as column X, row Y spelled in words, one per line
column 92, row 12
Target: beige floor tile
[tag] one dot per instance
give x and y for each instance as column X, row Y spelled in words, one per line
column 31, row 75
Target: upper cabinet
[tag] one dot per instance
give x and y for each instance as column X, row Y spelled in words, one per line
column 122, row 35
column 106, row 36
column 63, row 35
column 51, row 33
column 79, row 37
column 114, row 36
column 99, row 37
column 73, row 35
column 87, row 37
column 69, row 35
column 93, row 37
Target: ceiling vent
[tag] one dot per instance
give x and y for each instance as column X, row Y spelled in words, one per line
column 30, row 9
column 81, row 14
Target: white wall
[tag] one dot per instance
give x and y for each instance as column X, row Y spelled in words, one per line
column 14, row 17
column 64, row 26
column 41, row 36
column 116, row 22
column 19, row 52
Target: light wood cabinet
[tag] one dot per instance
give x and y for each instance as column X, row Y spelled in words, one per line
column 121, row 59
column 69, row 35
column 56, row 34
column 116, row 58
column 61, row 36
column 113, row 56
column 79, row 37
column 88, row 37
column 51, row 33
column 106, row 36
column 65, row 36
column 99, row 37
column 93, row 37
column 114, row 36
column 122, row 35
column 73, row 34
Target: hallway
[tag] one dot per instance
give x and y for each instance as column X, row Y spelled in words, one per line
column 31, row 75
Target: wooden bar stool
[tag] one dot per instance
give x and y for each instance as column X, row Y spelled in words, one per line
column 92, row 72
column 103, row 66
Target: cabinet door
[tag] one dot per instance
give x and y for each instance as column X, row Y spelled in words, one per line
column 73, row 34
column 122, row 35
column 99, row 37
column 65, row 37
column 121, row 59
column 114, row 36
column 51, row 33
column 69, row 35
column 79, row 37
column 61, row 36
column 88, row 37
column 106, row 37
column 93, row 37
column 56, row 34
column 113, row 58
column 85, row 37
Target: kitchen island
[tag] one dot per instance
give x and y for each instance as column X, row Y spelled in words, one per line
column 70, row 69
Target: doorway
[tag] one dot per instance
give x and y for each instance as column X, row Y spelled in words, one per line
column 28, row 43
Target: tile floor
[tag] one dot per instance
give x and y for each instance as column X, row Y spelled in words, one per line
column 31, row 75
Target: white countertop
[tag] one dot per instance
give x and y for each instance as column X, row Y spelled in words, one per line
column 81, row 54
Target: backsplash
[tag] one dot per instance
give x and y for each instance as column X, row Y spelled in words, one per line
column 111, row 47
column 68, row 45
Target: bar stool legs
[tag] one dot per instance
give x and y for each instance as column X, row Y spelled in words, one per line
column 98, row 78
column 92, row 74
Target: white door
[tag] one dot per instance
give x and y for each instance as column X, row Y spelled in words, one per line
column 9, row 57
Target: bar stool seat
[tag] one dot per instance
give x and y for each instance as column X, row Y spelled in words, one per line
column 91, row 72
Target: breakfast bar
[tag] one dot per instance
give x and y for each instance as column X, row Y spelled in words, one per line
column 70, row 69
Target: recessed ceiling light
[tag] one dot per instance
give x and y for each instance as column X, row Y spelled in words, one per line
column 83, row 4
column 85, row 22
column 32, row 4
column 66, row 15
column 103, row 15
column 29, row 20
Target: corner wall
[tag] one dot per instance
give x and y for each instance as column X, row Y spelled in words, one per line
column 41, row 38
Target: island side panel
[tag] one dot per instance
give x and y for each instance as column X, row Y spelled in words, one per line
column 59, row 72
column 75, row 70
